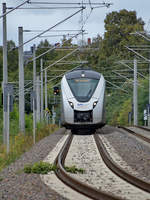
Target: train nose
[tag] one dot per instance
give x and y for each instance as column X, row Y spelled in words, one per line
column 82, row 116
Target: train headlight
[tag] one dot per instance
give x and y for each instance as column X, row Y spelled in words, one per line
column 94, row 104
column 71, row 104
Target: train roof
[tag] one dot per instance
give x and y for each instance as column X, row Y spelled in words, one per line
column 84, row 73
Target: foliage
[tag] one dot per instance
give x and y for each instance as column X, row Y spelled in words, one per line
column 73, row 169
column 123, row 115
column 40, row 168
column 22, row 143
column 118, row 105
column 114, row 102
column 45, row 167
column 119, row 26
column 143, row 95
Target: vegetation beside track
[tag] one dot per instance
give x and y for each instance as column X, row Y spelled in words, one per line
column 20, row 143
column 45, row 167
column 119, row 105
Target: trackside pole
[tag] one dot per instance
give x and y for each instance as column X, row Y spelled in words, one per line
column 149, row 97
column 8, row 113
column 41, row 89
column 38, row 98
column 33, row 108
column 21, row 83
column 34, row 80
column 46, row 105
column 8, row 107
column 5, row 73
column 135, row 104
column 34, row 120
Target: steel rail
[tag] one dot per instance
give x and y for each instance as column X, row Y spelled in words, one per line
column 146, row 139
column 113, row 166
column 74, row 183
column 144, row 128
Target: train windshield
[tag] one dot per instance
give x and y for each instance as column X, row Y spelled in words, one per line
column 83, row 88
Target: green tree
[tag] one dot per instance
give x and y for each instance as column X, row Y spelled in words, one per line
column 123, row 115
column 66, row 42
column 119, row 26
column 12, row 61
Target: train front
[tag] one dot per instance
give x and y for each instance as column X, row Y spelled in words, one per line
column 83, row 94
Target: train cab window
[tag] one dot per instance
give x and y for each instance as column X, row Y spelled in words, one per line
column 83, row 88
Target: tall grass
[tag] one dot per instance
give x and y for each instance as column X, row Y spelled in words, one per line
column 21, row 143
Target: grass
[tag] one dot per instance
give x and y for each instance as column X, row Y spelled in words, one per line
column 45, row 167
column 39, row 168
column 73, row 169
column 21, row 143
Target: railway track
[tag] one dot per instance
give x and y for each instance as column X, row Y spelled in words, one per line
column 84, row 188
column 144, row 128
column 118, row 170
column 147, row 139
column 74, row 183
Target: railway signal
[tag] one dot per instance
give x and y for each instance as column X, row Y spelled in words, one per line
column 56, row 90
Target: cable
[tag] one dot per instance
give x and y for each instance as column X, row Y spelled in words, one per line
column 50, row 28
column 54, row 47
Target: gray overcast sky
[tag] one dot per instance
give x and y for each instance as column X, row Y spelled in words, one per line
column 44, row 19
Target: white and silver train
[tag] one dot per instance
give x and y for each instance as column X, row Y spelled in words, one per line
column 83, row 100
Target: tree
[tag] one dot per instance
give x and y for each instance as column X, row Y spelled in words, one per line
column 12, row 61
column 43, row 47
column 119, row 26
column 66, row 42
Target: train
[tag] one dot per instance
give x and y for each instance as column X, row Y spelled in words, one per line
column 83, row 100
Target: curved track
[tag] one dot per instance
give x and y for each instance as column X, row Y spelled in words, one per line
column 87, row 190
column 74, row 183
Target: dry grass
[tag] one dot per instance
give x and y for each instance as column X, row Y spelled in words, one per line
column 22, row 143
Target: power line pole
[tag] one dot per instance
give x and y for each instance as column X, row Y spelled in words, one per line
column 34, row 115
column 5, row 73
column 41, row 89
column 34, row 67
column 34, row 83
column 46, row 89
column 46, row 105
column 8, row 113
column 149, row 96
column 135, row 103
column 21, row 83
column 38, row 98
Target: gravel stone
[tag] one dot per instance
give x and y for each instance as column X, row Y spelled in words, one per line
column 84, row 154
column 16, row 185
column 132, row 150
